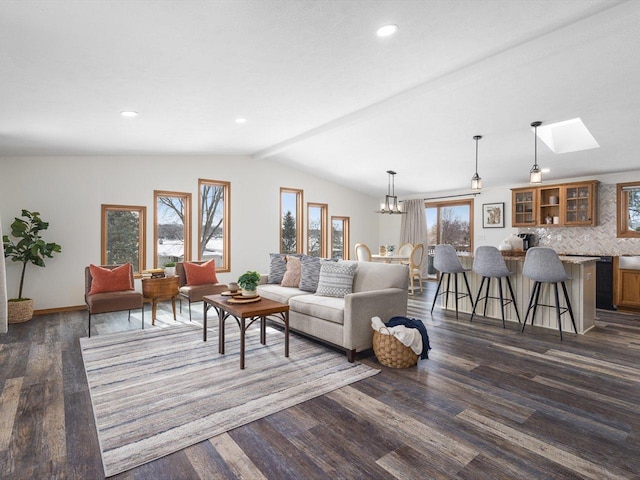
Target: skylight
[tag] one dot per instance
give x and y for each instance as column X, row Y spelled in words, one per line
column 567, row 136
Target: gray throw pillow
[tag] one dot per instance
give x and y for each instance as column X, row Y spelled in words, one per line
column 336, row 279
column 311, row 272
column 277, row 267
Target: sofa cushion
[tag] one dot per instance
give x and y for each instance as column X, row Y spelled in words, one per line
column 336, row 278
column 278, row 293
column 105, row 280
column 330, row 309
column 200, row 273
column 291, row 276
column 195, row 292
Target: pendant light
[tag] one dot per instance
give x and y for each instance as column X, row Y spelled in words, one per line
column 476, row 181
column 391, row 205
column 535, row 174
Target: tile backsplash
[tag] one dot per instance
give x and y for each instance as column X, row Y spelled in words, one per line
column 600, row 240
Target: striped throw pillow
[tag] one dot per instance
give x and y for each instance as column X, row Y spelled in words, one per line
column 336, row 278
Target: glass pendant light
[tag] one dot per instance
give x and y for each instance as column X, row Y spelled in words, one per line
column 476, row 181
column 535, row 174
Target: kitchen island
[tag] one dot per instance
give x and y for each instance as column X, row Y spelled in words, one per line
column 581, row 289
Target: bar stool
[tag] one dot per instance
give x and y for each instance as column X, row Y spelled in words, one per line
column 542, row 265
column 446, row 261
column 489, row 263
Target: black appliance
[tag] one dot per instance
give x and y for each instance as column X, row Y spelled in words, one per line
column 528, row 240
column 604, row 283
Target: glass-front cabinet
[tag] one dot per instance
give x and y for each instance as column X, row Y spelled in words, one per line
column 524, row 207
column 580, row 200
column 568, row 205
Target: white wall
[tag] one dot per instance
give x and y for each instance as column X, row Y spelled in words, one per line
column 69, row 191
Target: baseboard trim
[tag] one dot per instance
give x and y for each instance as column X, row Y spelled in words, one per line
column 74, row 308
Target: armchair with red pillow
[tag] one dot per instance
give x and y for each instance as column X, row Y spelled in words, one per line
column 109, row 288
column 196, row 280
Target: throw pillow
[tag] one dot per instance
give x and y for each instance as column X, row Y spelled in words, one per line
column 277, row 267
column 310, row 273
column 200, row 274
column 291, row 276
column 110, row 280
column 336, row 279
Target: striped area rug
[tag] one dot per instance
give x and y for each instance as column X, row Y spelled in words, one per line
column 160, row 390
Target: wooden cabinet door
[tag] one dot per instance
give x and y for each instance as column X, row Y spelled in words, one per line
column 524, row 207
column 628, row 289
column 580, row 204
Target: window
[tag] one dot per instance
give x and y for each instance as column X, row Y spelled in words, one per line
column 628, row 201
column 340, row 238
column 213, row 229
column 123, row 235
column 291, row 202
column 449, row 222
column 316, row 229
column 172, row 227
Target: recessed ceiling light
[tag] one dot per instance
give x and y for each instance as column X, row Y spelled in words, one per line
column 387, row 30
column 546, row 170
column 568, row 136
column 129, row 113
column 241, row 120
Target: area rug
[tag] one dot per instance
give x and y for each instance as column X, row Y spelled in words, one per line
column 157, row 391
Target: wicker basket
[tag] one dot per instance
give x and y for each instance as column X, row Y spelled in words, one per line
column 391, row 352
column 19, row 312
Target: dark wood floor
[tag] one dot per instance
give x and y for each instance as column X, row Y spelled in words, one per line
column 488, row 404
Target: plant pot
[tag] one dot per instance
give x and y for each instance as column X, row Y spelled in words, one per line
column 249, row 293
column 170, row 271
column 20, row 311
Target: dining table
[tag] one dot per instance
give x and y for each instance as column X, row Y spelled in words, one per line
column 390, row 258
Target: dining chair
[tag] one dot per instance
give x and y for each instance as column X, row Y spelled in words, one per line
column 405, row 250
column 542, row 265
column 415, row 266
column 363, row 253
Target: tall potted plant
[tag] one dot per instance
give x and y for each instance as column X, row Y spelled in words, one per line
column 28, row 247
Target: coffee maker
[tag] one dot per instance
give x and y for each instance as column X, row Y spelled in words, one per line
column 528, row 240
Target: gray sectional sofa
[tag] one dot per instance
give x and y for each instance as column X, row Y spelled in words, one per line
column 379, row 289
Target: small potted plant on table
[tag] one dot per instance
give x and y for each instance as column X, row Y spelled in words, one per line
column 170, row 269
column 29, row 248
column 248, row 282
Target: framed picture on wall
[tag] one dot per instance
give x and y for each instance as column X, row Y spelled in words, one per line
column 493, row 215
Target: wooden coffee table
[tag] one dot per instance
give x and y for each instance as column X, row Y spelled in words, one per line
column 245, row 315
column 155, row 289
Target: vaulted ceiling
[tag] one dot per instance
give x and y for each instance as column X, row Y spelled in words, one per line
column 319, row 90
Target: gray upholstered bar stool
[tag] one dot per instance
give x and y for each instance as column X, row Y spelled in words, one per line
column 489, row 263
column 446, row 261
column 542, row 265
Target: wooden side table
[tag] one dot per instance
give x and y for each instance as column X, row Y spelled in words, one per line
column 154, row 289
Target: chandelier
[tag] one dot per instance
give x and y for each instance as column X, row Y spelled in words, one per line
column 390, row 204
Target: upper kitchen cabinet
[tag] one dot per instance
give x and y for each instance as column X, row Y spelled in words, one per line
column 562, row 205
column 581, row 204
column 524, row 205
